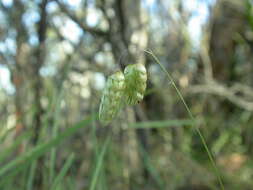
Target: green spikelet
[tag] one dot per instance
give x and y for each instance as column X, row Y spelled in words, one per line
column 112, row 97
column 136, row 82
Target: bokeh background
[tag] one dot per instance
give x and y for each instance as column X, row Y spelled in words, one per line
column 55, row 57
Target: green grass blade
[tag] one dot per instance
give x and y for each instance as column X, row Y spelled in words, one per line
column 161, row 124
column 7, row 151
column 4, row 133
column 151, row 169
column 54, row 132
column 99, row 164
column 31, row 175
column 218, row 174
column 63, row 171
column 9, row 177
column 42, row 148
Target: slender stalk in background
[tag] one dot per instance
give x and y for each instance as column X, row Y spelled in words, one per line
column 60, row 177
column 99, row 163
column 217, row 172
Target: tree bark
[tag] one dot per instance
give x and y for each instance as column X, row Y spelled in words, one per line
column 37, row 88
column 227, row 21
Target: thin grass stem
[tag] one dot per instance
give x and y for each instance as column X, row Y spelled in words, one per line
column 210, row 156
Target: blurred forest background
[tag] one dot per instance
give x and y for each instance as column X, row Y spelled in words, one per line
column 55, row 56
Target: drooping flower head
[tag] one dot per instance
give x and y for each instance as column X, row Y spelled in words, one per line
column 111, row 100
column 136, row 82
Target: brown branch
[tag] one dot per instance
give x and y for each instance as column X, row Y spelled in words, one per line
column 238, row 94
column 94, row 67
column 40, row 55
column 37, row 87
column 230, row 93
column 3, row 60
column 83, row 26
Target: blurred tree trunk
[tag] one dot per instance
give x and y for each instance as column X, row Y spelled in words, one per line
column 227, row 21
column 128, row 38
column 39, row 54
column 19, row 72
column 127, row 31
column 37, row 87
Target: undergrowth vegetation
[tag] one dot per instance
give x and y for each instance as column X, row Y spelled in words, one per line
column 86, row 105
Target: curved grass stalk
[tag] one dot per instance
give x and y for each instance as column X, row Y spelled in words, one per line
column 210, row 156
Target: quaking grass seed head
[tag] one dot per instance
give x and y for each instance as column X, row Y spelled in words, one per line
column 112, row 97
column 136, row 82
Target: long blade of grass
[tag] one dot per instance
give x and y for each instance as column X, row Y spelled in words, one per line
column 9, row 177
column 7, row 151
column 42, row 148
column 152, row 170
column 54, row 132
column 31, row 175
column 4, row 133
column 161, row 124
column 218, row 174
column 63, row 171
column 99, row 163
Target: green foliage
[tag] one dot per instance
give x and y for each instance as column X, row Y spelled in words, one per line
column 99, row 164
column 14, row 167
column 60, row 177
column 161, row 124
column 52, row 73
